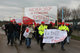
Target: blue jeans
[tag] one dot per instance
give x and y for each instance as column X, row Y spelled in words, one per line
column 28, row 42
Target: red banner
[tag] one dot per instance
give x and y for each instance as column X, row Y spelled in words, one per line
column 27, row 20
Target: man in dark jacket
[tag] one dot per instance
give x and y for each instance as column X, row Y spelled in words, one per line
column 16, row 31
column 37, row 34
column 10, row 29
column 52, row 26
column 69, row 33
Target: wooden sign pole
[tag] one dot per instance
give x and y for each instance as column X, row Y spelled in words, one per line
column 21, row 24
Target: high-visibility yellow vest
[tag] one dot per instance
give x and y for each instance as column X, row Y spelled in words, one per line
column 33, row 25
column 67, row 29
column 41, row 29
column 63, row 28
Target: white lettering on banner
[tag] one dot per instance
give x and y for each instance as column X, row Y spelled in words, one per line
column 54, row 36
column 42, row 13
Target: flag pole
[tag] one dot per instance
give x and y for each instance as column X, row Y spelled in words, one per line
column 62, row 14
column 57, row 16
column 21, row 24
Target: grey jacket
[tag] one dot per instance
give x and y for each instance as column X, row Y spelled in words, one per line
column 30, row 33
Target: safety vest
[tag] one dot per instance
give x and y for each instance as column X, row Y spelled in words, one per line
column 41, row 29
column 33, row 25
column 63, row 28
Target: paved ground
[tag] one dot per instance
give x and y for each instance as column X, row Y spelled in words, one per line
column 73, row 47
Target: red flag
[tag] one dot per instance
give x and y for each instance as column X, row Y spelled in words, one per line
column 27, row 20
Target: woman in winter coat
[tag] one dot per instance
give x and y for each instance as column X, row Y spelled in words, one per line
column 28, row 35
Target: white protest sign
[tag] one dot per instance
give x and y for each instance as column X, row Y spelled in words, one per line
column 18, row 20
column 39, row 14
column 26, row 33
column 54, row 36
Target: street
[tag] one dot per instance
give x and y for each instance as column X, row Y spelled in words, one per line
column 73, row 47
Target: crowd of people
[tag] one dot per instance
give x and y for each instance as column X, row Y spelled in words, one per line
column 13, row 32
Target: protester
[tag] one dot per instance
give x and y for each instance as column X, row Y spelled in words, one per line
column 52, row 26
column 41, row 33
column 16, row 31
column 10, row 29
column 69, row 33
column 63, row 28
column 28, row 35
column 22, row 32
column 36, row 33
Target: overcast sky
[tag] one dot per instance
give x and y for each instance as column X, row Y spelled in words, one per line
column 11, row 8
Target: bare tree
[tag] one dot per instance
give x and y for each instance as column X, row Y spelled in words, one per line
column 66, row 12
column 75, row 13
